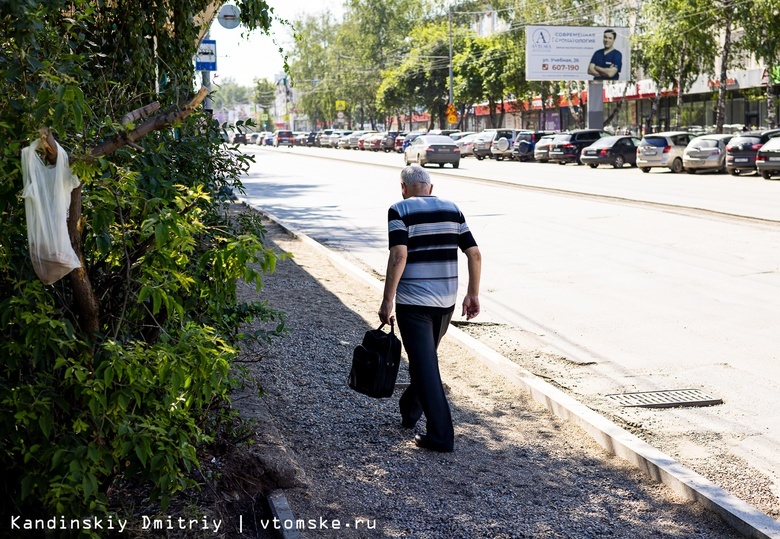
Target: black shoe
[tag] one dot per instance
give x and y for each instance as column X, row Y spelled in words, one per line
column 422, row 441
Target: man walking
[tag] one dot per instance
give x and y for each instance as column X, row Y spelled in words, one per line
column 425, row 233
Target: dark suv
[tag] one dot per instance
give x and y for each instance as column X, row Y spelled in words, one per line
column 566, row 147
column 525, row 143
column 741, row 151
column 284, row 137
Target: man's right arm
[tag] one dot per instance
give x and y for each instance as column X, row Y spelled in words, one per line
column 592, row 66
column 396, row 262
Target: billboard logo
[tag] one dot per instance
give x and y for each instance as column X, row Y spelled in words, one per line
column 541, row 39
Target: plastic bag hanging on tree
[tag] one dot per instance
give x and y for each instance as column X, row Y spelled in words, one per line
column 46, row 201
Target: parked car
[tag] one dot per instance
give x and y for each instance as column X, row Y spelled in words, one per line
column 445, row 132
column 322, row 136
column 409, row 138
column 252, row 139
column 381, row 141
column 503, row 144
column 615, row 150
column 663, row 150
column 335, row 136
column 483, row 144
column 373, row 141
column 466, row 144
column 460, row 134
column 525, row 143
column 283, row 137
column 344, row 142
column 566, row 147
column 269, row 139
column 706, row 152
column 741, row 151
column 299, row 138
column 542, row 148
column 768, row 158
column 361, row 141
column 352, row 140
column 437, row 149
column 387, row 141
column 311, row 136
column 399, row 142
column 239, row 138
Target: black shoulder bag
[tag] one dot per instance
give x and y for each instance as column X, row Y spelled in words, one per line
column 375, row 363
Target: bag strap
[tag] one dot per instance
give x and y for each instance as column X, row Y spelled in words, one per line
column 392, row 326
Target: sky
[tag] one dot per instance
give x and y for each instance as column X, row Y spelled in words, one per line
column 245, row 57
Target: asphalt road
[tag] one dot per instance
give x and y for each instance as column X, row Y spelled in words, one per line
column 630, row 282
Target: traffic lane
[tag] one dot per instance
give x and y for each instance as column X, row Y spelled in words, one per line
column 749, row 196
column 567, row 247
column 657, row 299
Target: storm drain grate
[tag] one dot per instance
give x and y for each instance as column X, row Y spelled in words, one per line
column 671, row 398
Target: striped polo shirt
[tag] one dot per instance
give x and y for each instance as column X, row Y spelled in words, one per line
column 433, row 230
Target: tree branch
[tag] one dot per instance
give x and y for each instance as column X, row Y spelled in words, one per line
column 86, row 303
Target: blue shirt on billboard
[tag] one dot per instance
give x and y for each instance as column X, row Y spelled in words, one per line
column 611, row 59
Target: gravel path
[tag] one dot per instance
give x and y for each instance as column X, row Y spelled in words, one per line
column 517, row 471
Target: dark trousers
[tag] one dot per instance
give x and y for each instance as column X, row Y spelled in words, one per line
column 421, row 332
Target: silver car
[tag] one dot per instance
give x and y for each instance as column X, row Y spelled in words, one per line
column 542, row 148
column 663, row 150
column 706, row 152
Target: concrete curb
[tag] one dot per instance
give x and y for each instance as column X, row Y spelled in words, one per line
column 743, row 517
column 281, row 511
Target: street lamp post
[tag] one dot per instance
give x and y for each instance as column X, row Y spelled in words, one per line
column 449, row 12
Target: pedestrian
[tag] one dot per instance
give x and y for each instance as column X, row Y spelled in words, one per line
column 425, row 233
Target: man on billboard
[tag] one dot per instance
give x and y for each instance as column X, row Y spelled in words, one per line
column 606, row 63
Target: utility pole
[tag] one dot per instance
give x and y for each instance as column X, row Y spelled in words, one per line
column 449, row 11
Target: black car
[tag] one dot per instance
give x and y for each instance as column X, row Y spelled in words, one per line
column 742, row 150
column 239, row 138
column 282, row 137
column 616, row 151
column 566, row 147
column 768, row 159
column 525, row 143
column 310, row 138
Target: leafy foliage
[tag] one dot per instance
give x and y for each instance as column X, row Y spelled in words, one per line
column 81, row 410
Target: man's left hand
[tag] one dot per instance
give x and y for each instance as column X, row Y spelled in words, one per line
column 470, row 307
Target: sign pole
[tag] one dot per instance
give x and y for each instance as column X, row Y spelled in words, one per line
column 206, row 78
column 595, row 105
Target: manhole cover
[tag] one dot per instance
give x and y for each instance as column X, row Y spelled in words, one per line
column 671, row 398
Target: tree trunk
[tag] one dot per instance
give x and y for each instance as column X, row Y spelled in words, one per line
column 578, row 113
column 618, row 106
column 492, row 113
column 724, row 64
column 771, row 120
column 681, row 84
column 656, row 101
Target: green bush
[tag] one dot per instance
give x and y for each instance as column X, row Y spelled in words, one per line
column 81, row 409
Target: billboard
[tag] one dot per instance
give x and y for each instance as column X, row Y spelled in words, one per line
column 577, row 53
